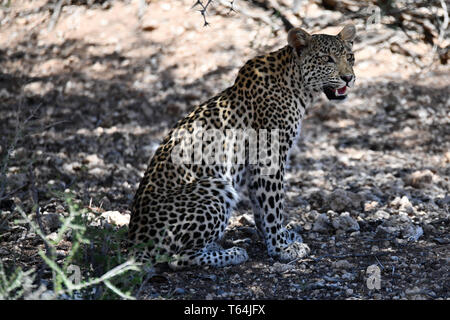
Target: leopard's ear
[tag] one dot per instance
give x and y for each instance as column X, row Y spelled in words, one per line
column 298, row 38
column 348, row 33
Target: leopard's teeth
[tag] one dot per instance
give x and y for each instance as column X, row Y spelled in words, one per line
column 336, row 92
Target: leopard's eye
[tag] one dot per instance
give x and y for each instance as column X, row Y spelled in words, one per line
column 328, row 59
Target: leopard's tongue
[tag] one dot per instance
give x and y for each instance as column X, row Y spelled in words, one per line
column 341, row 91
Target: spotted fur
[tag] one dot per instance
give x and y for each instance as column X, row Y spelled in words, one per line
column 182, row 210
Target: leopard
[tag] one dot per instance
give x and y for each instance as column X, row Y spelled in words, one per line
column 184, row 201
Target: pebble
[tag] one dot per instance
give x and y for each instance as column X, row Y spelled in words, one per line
column 179, row 291
column 338, row 200
column 381, row 214
column 52, row 236
column 93, row 160
column 322, row 223
column 419, row 179
column 394, row 258
column 342, row 264
column 38, row 88
column 282, row 267
column 345, row 223
column 348, row 276
column 412, row 232
column 50, row 221
column 116, row 218
column 386, row 232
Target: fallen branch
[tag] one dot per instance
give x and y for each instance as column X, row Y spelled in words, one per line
column 272, row 6
column 55, row 16
column 203, row 10
column 246, row 13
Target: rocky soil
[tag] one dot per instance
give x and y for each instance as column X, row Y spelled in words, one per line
column 83, row 106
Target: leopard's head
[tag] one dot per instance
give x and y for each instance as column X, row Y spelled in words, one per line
column 326, row 61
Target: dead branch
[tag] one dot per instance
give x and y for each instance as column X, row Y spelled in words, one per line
column 246, row 13
column 273, row 7
column 56, row 13
column 203, row 9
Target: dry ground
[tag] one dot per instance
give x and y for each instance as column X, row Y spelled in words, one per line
column 368, row 182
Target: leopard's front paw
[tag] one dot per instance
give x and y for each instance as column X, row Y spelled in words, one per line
column 292, row 251
column 288, row 247
column 290, row 235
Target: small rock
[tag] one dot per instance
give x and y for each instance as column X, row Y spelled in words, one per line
column 349, row 291
column 383, row 231
column 307, row 226
column 98, row 172
column 322, row 223
column 412, row 232
column 93, row 160
column 331, row 279
column 414, row 290
column 50, row 221
column 348, row 276
column 339, row 201
column 381, row 214
column 282, row 267
column 345, row 223
column 38, row 88
column 52, row 236
column 318, row 200
column 356, row 199
column 179, row 291
column 371, row 205
column 403, row 204
column 355, row 234
column 211, row 277
column 419, row 179
column 4, row 94
column 342, row 264
column 116, row 218
column 72, row 167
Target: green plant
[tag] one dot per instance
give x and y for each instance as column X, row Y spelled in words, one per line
column 70, row 280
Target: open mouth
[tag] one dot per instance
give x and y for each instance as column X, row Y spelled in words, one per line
column 335, row 94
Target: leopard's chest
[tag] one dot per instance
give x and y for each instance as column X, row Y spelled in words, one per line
column 293, row 122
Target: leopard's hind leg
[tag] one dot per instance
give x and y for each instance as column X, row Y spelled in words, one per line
column 186, row 222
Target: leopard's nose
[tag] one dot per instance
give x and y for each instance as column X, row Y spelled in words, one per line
column 347, row 78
